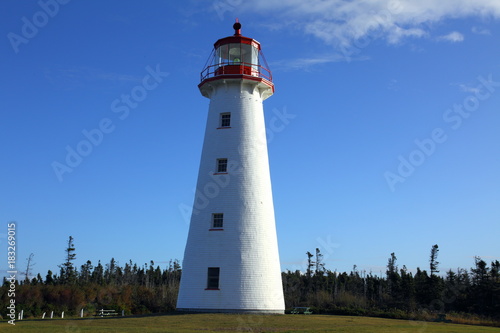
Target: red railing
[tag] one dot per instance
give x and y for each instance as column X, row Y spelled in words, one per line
column 241, row 68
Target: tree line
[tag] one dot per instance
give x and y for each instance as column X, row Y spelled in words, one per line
column 140, row 289
column 400, row 293
column 135, row 289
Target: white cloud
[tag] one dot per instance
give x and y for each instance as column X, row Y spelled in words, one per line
column 307, row 63
column 342, row 22
column 75, row 77
column 480, row 31
column 453, row 37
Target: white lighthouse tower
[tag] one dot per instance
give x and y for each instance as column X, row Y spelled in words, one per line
column 231, row 261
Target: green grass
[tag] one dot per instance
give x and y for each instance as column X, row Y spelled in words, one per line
column 237, row 323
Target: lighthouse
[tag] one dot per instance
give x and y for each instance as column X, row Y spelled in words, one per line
column 231, row 260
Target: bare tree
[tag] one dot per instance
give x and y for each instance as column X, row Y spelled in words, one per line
column 29, row 266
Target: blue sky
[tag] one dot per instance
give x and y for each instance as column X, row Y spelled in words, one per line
column 388, row 138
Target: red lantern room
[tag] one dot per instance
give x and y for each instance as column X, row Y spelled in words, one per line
column 236, row 57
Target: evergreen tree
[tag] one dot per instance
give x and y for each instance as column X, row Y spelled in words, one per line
column 49, row 279
column 393, row 280
column 433, row 259
column 98, row 274
column 310, row 264
column 435, row 283
column 85, row 272
column 320, row 266
column 481, row 287
column 495, row 271
column 110, row 272
column 407, row 289
column 68, row 271
column 391, row 265
column 147, row 289
column 480, row 272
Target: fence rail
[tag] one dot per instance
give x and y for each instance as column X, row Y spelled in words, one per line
column 240, row 68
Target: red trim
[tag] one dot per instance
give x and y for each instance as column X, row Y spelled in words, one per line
column 237, row 40
column 245, row 69
column 237, row 76
column 216, row 229
column 212, row 289
column 236, row 69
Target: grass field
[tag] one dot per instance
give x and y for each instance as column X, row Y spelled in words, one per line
column 237, row 323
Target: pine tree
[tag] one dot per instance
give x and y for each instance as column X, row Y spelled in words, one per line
column 98, row 274
column 85, row 272
column 49, row 279
column 310, row 264
column 110, row 272
column 68, row 271
column 391, row 265
column 433, row 259
column 320, row 266
column 393, row 278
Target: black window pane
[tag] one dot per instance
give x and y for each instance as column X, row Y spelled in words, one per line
column 225, row 120
column 213, row 278
column 218, row 220
column 222, row 165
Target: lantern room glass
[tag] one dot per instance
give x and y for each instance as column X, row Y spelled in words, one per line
column 237, row 54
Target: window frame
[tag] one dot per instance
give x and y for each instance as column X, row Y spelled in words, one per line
column 221, row 165
column 217, row 220
column 222, row 120
column 213, row 278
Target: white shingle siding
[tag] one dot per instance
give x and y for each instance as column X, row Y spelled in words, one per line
column 246, row 250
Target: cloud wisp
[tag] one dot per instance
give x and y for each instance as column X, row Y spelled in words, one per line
column 453, row 37
column 308, row 63
column 342, row 22
column 74, row 77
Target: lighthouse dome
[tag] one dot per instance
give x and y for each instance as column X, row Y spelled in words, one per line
column 237, row 57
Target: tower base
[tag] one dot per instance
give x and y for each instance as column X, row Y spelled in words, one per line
column 243, row 311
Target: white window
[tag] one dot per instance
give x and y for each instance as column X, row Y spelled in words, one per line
column 213, row 277
column 225, row 120
column 221, row 165
column 217, row 220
